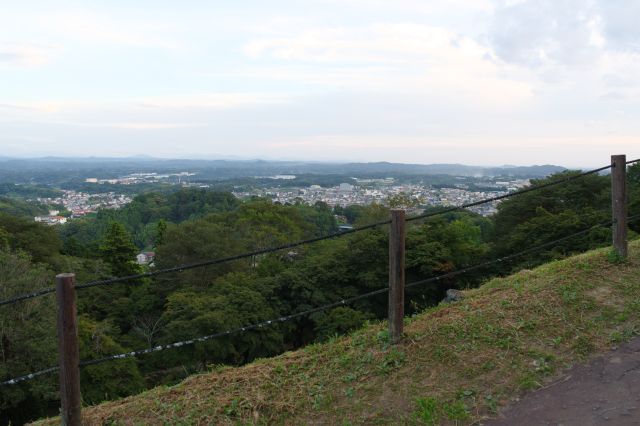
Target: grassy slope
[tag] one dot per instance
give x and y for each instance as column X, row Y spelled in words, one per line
column 457, row 364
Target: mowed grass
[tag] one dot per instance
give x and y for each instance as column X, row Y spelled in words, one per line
column 457, row 364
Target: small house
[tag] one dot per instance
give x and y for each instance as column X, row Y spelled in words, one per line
column 145, row 258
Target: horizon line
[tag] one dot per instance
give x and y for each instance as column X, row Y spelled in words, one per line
column 253, row 159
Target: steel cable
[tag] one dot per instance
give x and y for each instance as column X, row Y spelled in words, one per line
column 294, row 244
column 510, row 194
column 309, row 311
column 38, row 293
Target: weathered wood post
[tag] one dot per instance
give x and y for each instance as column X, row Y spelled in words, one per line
column 68, row 350
column 619, row 203
column 396, row 274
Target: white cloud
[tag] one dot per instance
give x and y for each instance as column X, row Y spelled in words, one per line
column 377, row 43
column 26, row 54
column 125, row 125
column 153, row 126
column 35, row 36
column 84, row 26
column 546, row 33
column 620, row 23
column 572, row 47
column 495, row 80
column 539, row 33
column 407, row 57
column 213, row 100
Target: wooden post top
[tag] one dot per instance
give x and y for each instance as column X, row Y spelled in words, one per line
column 66, row 275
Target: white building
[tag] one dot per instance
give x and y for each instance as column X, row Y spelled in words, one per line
column 145, row 257
column 345, row 187
column 51, row 220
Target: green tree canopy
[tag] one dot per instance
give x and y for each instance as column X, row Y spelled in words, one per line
column 544, row 215
column 110, row 380
column 27, row 338
column 118, row 251
column 40, row 241
column 230, row 302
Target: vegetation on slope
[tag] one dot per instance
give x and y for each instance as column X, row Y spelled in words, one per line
column 193, row 225
column 458, row 363
column 20, row 208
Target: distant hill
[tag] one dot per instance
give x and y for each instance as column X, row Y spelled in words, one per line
column 250, row 168
column 16, row 207
column 448, row 169
column 540, row 171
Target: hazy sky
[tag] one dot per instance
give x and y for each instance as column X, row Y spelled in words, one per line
column 466, row 81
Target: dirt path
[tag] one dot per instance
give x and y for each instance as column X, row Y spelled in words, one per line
column 606, row 391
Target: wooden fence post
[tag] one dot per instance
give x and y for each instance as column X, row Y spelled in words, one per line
column 68, row 350
column 396, row 275
column 619, row 203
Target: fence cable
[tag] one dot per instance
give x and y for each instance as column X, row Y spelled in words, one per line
column 298, row 243
column 309, row 311
column 230, row 258
column 22, row 297
column 195, row 265
column 29, row 376
column 512, row 256
column 508, row 195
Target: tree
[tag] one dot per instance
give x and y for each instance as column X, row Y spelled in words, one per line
column 327, row 272
column 4, row 239
column 110, row 380
column 41, row 242
column 141, row 216
column 118, row 251
column 195, row 241
column 262, row 224
column 403, row 200
column 18, row 207
column 590, row 192
column 443, row 244
column 114, row 302
column 72, row 247
column 547, row 214
column 340, row 320
column 27, row 339
column 230, row 302
column 161, row 230
column 368, row 214
column 353, row 212
column 148, row 327
column 547, row 226
column 320, row 216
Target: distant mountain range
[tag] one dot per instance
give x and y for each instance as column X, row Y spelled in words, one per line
column 446, row 169
column 241, row 168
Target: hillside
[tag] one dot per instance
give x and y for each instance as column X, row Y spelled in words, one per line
column 54, row 169
column 458, row 363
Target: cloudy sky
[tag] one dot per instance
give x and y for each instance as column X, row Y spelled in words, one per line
column 468, row 81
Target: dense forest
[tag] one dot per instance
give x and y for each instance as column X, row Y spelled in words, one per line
column 193, row 225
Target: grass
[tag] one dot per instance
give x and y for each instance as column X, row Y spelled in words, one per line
column 457, row 364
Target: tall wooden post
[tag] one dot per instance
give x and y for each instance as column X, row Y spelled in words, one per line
column 68, row 350
column 619, row 203
column 396, row 275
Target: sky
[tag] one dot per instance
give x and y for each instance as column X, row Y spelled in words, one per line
column 483, row 82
